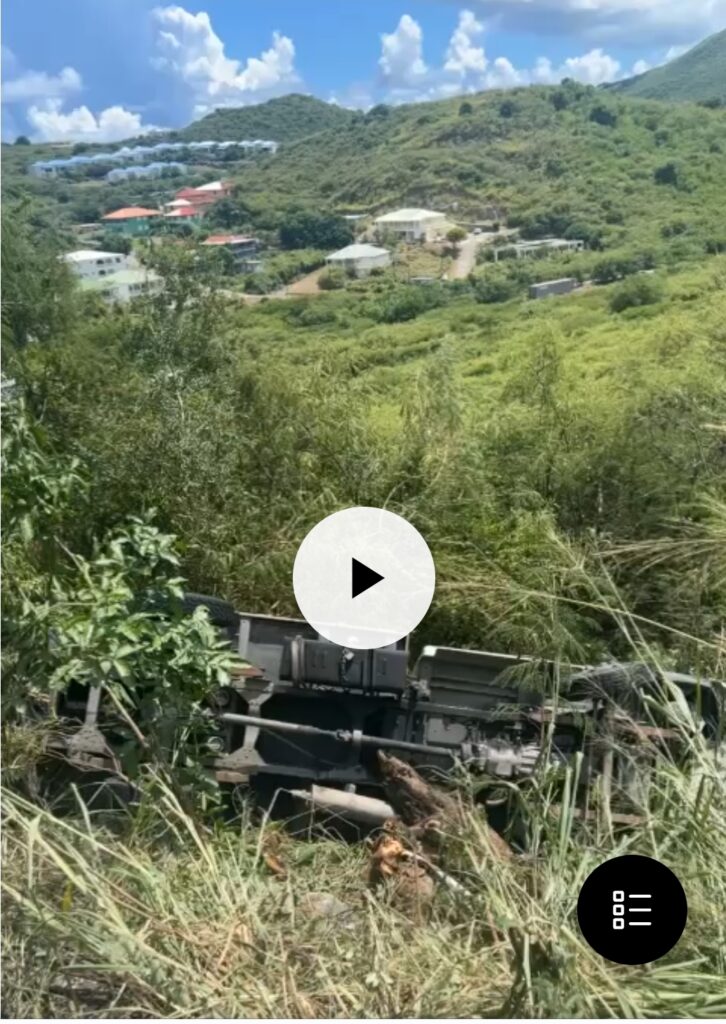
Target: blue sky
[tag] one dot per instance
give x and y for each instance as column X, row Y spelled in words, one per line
column 102, row 70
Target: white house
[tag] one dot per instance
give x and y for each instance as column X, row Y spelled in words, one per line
column 90, row 264
column 412, row 225
column 359, row 259
column 124, row 284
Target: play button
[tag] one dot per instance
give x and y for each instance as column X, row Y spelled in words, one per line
column 363, row 578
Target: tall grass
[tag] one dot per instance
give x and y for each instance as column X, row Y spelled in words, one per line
column 169, row 918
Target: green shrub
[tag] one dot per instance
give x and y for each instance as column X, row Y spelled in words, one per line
column 494, row 289
column 408, row 302
column 667, row 174
column 636, row 291
column 331, row 278
column 307, row 229
column 602, row 115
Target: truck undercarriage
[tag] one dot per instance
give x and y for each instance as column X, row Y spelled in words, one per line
column 306, row 710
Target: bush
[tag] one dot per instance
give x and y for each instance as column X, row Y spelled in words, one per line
column 408, row 302
column 309, row 229
column 494, row 289
column 614, row 268
column 602, row 115
column 331, row 278
column 465, row 109
column 636, row 291
column 507, row 109
column 667, row 174
column 455, row 234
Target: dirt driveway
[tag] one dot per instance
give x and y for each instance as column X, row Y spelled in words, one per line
column 466, row 260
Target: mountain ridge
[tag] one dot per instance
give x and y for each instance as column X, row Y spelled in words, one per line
column 699, row 75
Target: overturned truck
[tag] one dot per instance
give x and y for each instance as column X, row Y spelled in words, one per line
column 302, row 711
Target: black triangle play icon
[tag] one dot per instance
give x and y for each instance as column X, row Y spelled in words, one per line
column 363, row 577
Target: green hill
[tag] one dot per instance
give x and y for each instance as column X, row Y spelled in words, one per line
column 566, row 160
column 699, row 74
column 282, row 119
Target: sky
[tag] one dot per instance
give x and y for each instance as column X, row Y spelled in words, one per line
column 104, row 70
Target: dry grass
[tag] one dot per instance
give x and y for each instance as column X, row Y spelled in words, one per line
column 167, row 918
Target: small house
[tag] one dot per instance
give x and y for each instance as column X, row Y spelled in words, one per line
column 131, row 220
column 184, row 215
column 90, row 264
column 205, row 195
column 124, row 285
column 242, row 248
column 412, row 224
column 359, row 259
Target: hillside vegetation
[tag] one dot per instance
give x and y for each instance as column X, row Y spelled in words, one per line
column 698, row 75
column 569, row 160
column 283, row 119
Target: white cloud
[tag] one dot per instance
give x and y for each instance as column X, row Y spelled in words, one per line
column 462, row 55
column 39, row 85
column 503, row 75
column 401, row 60
column 51, row 124
column 190, row 48
column 647, row 21
column 466, row 68
column 675, row 51
column 593, row 68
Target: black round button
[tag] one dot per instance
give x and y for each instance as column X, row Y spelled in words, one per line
column 632, row 909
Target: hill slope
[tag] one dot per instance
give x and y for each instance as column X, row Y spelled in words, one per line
column 555, row 160
column 282, row 119
column 699, row 74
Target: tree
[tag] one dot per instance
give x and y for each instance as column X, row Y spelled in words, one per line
column 636, row 291
column 22, row 140
column 507, row 109
column 603, row 115
column 465, row 109
column 455, row 234
column 228, row 213
column 114, row 241
column 307, row 229
column 38, row 294
column 667, row 174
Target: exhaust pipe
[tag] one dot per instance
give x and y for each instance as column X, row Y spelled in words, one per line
column 367, row 810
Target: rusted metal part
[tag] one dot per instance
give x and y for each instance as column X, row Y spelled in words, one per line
column 645, row 732
column 246, row 672
column 235, row 778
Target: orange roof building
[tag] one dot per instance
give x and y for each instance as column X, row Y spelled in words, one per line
column 130, row 220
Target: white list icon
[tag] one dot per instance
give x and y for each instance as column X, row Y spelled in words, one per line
column 637, row 904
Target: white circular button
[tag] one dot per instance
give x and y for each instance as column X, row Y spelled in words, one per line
column 363, row 578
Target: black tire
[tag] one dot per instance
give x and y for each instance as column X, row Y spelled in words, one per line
column 221, row 613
